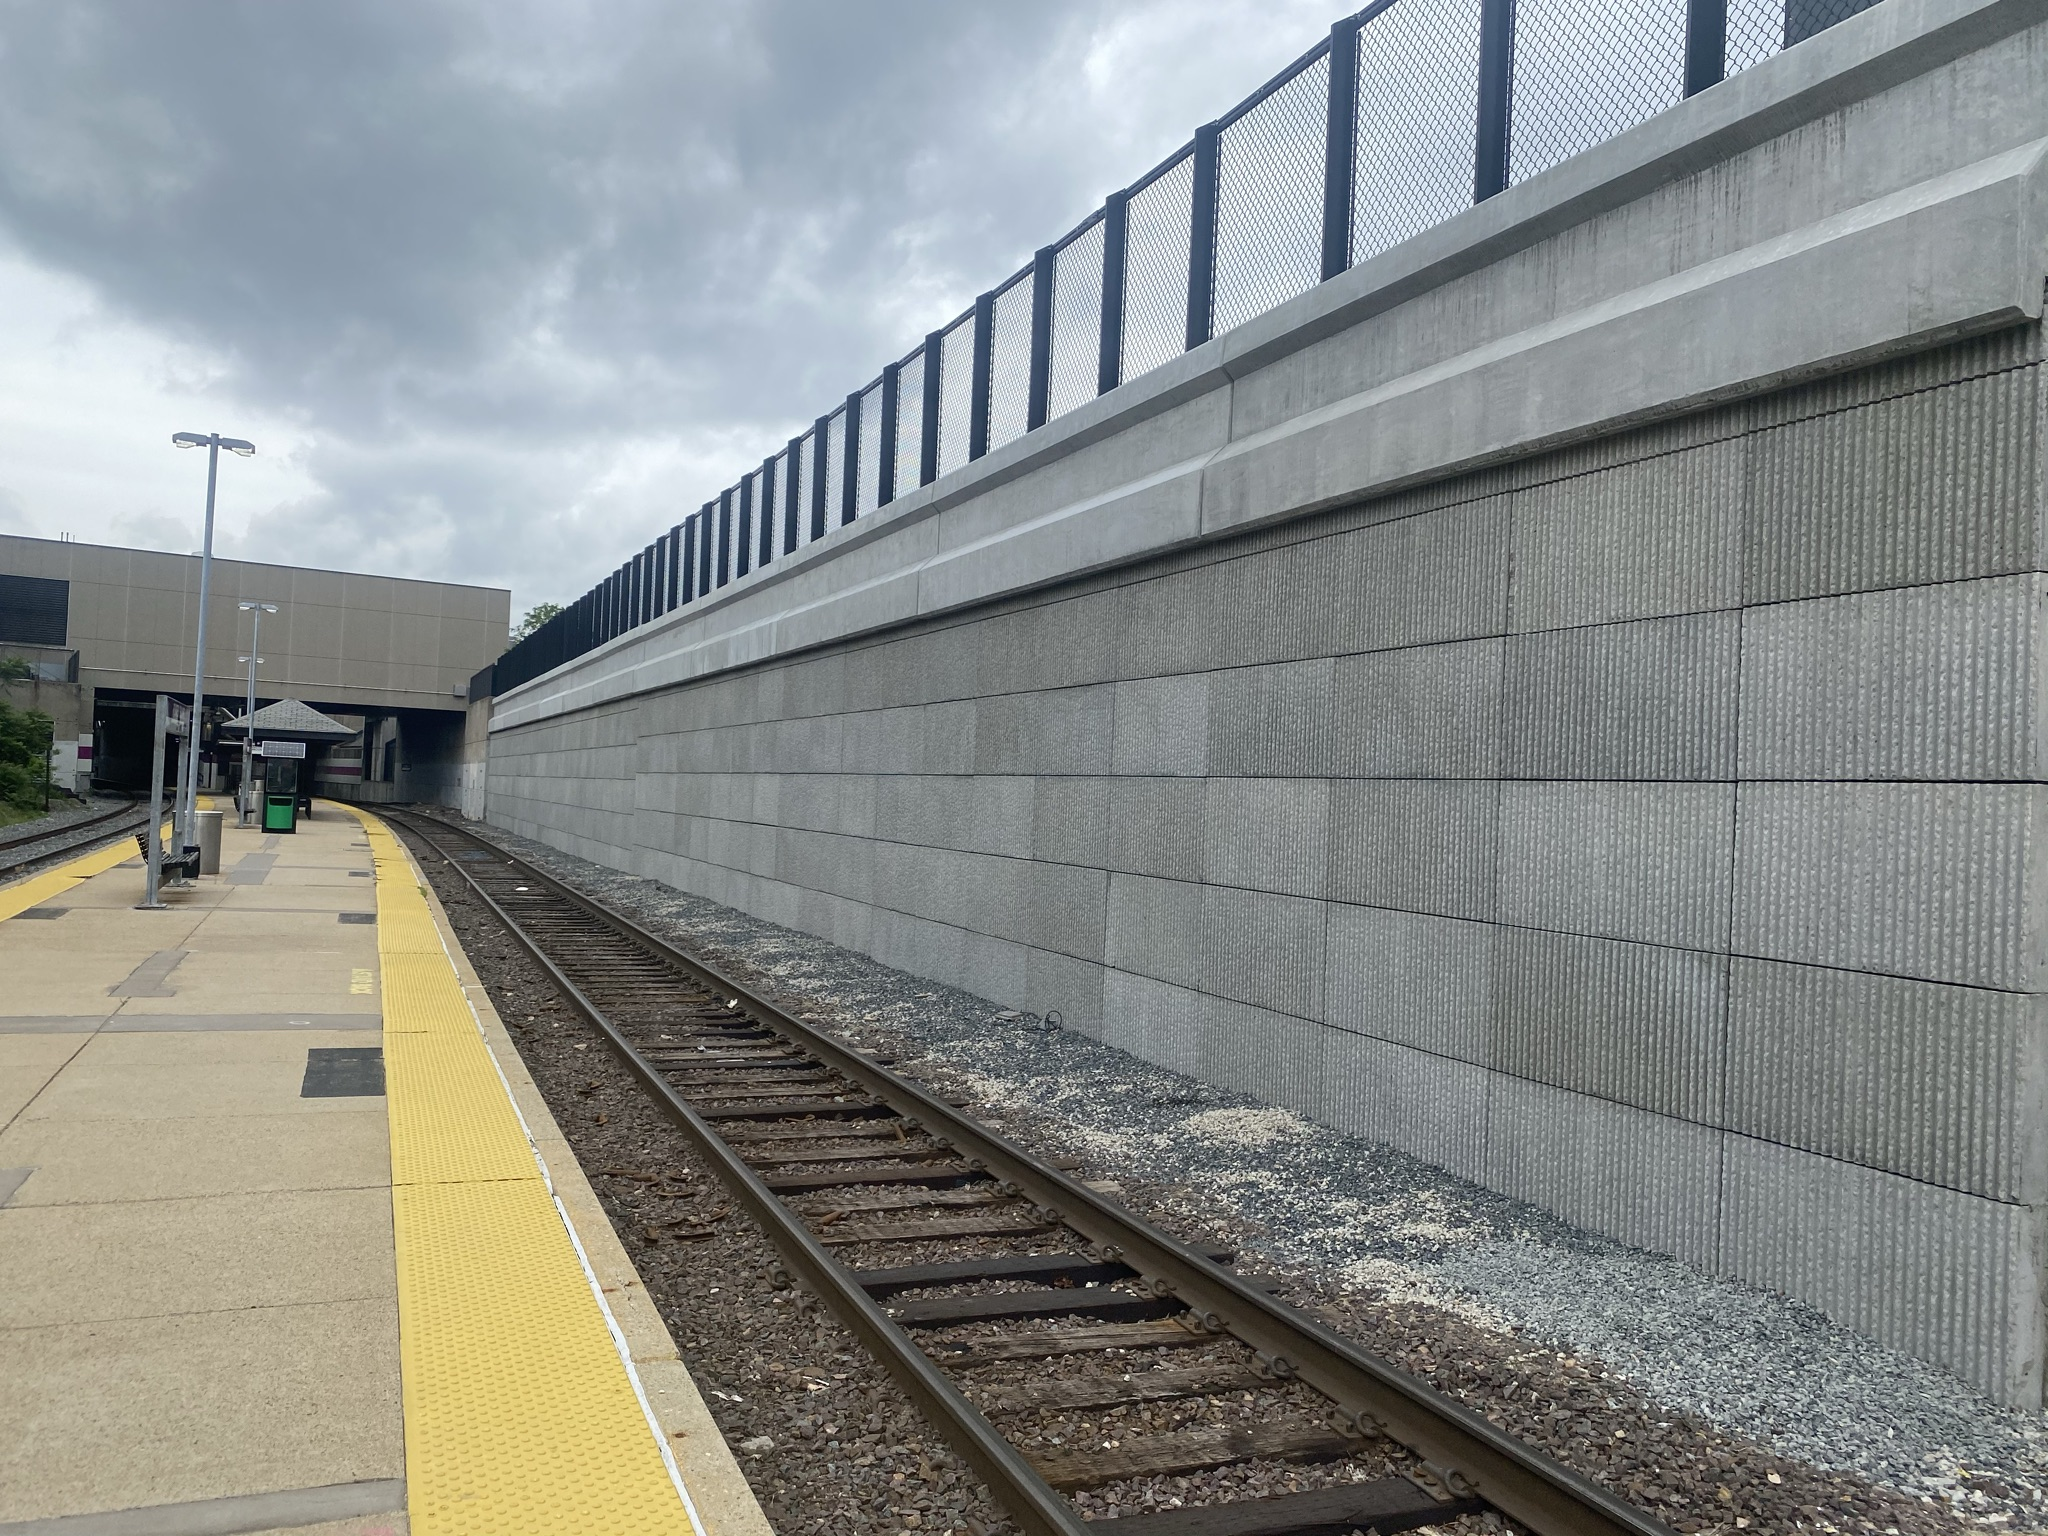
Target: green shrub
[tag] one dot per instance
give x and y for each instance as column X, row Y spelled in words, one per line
column 24, row 743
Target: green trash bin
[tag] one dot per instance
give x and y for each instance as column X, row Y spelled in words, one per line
column 280, row 795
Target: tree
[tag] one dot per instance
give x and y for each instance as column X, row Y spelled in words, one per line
column 536, row 616
column 24, row 756
column 15, row 669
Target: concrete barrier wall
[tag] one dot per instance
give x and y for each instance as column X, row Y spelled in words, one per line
column 1566, row 700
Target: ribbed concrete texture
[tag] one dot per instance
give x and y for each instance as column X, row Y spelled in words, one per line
column 1647, row 821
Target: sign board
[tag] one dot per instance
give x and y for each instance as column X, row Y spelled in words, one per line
column 281, row 748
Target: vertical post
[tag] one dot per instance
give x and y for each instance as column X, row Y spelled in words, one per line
column 934, row 378
column 724, row 537
column 249, row 717
column 885, row 470
column 704, row 521
column 677, row 566
column 1496, row 91
column 1202, row 237
column 821, row 447
column 1340, row 147
column 743, row 546
column 153, row 862
column 850, row 470
column 792, row 496
column 767, row 509
column 984, row 367
column 1706, row 44
column 1038, row 395
column 690, row 558
column 1109, row 357
column 186, row 827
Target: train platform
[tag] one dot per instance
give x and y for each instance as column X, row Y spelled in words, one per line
column 288, row 1239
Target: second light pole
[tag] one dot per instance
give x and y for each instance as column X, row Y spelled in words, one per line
column 185, row 827
column 249, row 719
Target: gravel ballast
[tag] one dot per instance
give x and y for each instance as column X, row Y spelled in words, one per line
column 20, row 857
column 1718, row 1406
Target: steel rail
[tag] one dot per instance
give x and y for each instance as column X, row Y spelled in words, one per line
column 1461, row 1448
column 79, row 825
column 91, row 832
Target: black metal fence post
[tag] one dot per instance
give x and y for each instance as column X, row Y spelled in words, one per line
column 984, row 366
column 821, row 444
column 768, row 489
column 849, row 478
column 1706, row 44
column 704, row 532
column 1038, row 396
column 1109, row 356
column 1202, row 236
column 1496, row 91
column 791, row 505
column 1340, row 145
column 724, row 572
column 885, row 471
column 934, row 377
column 743, row 546
column 682, row 569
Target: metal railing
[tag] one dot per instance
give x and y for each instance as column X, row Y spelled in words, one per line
column 1407, row 113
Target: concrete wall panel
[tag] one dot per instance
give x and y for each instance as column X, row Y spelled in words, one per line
column 1934, row 682
column 1944, row 1276
column 1938, row 881
column 1627, row 861
column 1936, row 1083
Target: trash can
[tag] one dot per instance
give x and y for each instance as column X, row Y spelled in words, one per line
column 280, row 795
column 209, row 842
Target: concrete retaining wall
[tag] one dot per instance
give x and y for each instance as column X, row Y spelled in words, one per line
column 1565, row 698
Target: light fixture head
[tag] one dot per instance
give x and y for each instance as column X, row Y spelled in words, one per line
column 190, row 440
column 236, row 445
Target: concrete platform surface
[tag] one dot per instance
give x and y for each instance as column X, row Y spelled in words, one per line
column 219, row 1312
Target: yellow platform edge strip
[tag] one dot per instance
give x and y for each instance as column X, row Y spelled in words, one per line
column 37, row 889
column 521, row 1411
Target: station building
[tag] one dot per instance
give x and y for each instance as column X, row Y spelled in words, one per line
column 104, row 630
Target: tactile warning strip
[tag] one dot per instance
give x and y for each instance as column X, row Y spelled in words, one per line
column 37, row 889
column 519, row 1414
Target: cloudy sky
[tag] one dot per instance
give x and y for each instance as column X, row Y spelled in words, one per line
column 500, row 288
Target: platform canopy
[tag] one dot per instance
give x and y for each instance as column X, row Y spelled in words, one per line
column 289, row 720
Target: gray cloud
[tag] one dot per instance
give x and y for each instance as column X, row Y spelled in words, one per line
column 538, row 278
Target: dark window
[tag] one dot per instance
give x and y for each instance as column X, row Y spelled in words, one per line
column 34, row 610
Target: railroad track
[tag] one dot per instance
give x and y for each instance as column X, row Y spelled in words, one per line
column 72, row 837
column 829, row 1150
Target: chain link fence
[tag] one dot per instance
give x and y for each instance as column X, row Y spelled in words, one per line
column 869, row 495
column 1073, row 376
column 956, row 394
column 1584, row 73
column 1155, row 275
column 1412, row 160
column 1009, row 392
column 909, row 421
column 1269, row 198
column 1404, row 116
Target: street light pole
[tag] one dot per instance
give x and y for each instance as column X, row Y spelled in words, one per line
column 186, row 828
column 249, row 719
